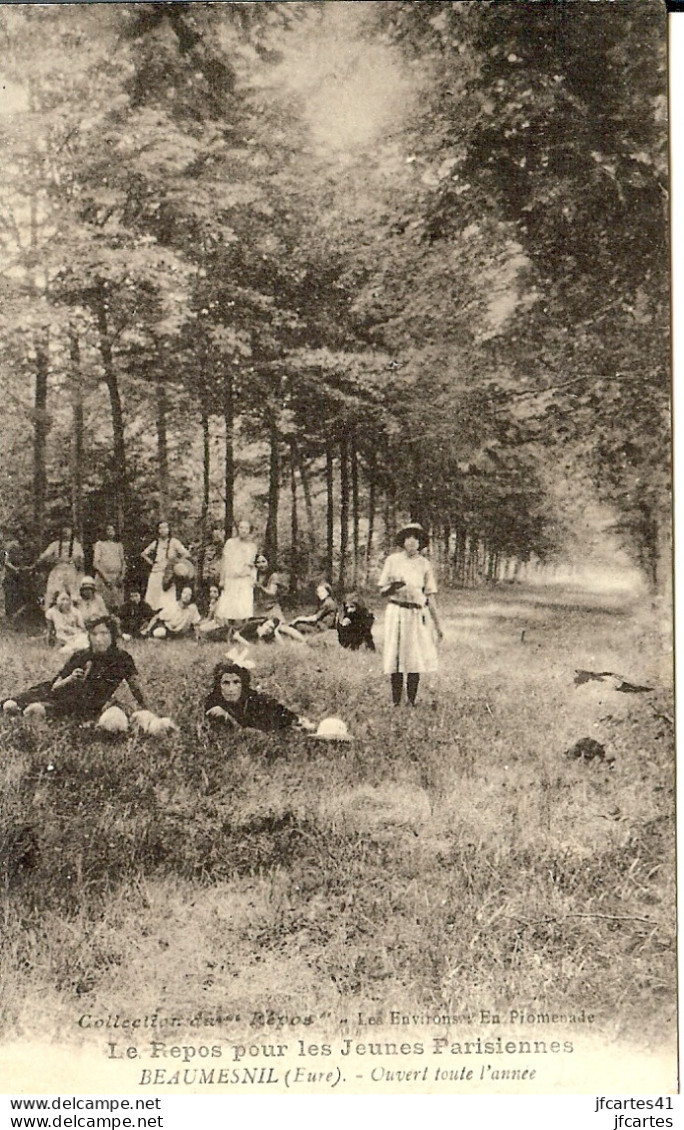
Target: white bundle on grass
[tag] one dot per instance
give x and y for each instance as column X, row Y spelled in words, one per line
column 141, row 720
column 148, row 723
column 113, row 721
column 162, row 726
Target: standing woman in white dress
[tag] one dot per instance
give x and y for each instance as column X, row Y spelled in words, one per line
column 166, row 550
column 238, row 573
column 411, row 621
column 66, row 557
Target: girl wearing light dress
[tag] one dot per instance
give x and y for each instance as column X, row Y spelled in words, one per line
column 166, row 550
column 411, row 621
column 236, row 602
column 65, row 555
column 65, row 623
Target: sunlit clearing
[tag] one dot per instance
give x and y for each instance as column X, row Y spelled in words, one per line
column 13, row 97
column 354, row 93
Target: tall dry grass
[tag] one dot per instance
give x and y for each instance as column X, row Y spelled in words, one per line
column 450, row 859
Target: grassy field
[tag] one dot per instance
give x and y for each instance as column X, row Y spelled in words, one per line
column 450, row 859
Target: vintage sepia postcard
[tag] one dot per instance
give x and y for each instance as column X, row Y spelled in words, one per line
column 337, row 732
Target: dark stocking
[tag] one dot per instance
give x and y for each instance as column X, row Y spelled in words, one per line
column 397, row 681
column 412, row 681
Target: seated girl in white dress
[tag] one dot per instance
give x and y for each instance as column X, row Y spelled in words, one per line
column 178, row 619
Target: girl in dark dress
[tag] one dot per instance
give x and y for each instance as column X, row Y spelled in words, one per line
column 87, row 681
column 233, row 702
column 354, row 626
column 135, row 614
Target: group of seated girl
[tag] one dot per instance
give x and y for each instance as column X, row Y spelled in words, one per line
column 352, row 620
column 68, row 618
column 268, row 624
column 96, row 666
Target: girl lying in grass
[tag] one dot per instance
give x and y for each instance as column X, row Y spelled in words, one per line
column 87, row 681
column 233, row 702
column 267, row 629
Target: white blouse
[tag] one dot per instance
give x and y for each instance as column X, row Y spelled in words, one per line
column 415, row 573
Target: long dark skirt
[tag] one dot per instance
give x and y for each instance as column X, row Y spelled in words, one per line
column 65, row 702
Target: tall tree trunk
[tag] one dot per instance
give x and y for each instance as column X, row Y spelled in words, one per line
column 40, row 430
column 162, row 448
column 77, row 435
column 229, row 472
column 648, row 540
column 271, row 537
column 330, row 511
column 392, row 513
column 344, row 509
column 206, row 479
column 294, row 520
column 40, row 420
column 456, row 563
column 447, row 543
column 372, row 488
column 308, row 505
column 355, row 508
column 414, row 486
column 120, row 476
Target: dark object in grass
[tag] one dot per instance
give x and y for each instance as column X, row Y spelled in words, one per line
column 632, row 688
column 582, row 677
column 18, row 852
column 620, row 683
column 586, row 749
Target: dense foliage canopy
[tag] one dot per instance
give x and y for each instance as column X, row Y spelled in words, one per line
column 334, row 266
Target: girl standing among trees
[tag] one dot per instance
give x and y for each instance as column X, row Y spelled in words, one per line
column 109, row 567
column 236, row 602
column 16, row 586
column 164, row 551
column 65, row 555
column 408, row 582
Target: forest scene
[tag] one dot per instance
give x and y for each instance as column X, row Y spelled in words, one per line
column 238, row 278
column 334, row 271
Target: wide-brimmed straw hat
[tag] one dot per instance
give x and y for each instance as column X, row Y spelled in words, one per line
column 184, row 570
column 332, row 730
column 413, row 529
